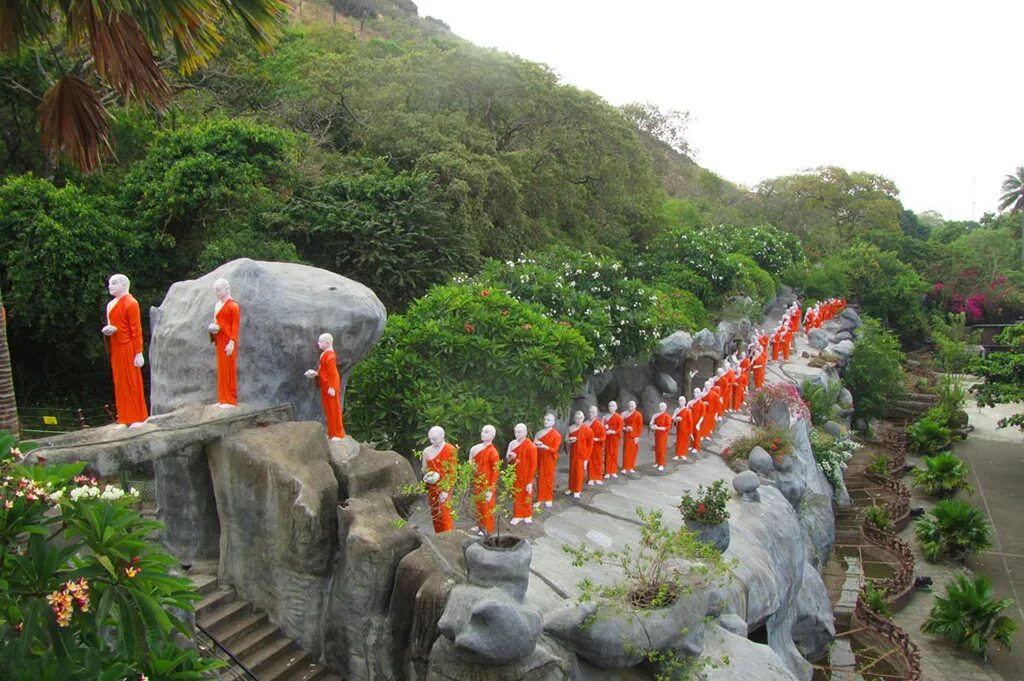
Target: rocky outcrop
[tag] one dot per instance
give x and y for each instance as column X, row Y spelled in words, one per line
column 285, row 307
column 276, row 497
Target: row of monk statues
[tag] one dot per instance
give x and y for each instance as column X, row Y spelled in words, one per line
column 602, row 446
column 123, row 335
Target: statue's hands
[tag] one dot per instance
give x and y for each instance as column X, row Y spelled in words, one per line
column 572, row 439
column 540, row 445
column 139, row 360
column 331, row 392
column 488, row 496
column 442, row 497
column 108, row 330
column 628, row 429
column 229, row 349
column 529, row 488
column 310, row 373
column 636, row 440
column 213, row 328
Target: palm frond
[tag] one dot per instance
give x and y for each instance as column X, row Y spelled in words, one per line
column 73, row 123
column 1013, row 192
column 21, row 21
column 121, row 55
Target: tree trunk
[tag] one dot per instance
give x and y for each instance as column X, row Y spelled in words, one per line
column 8, row 405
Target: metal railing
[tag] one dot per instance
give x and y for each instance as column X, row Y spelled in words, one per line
column 237, row 668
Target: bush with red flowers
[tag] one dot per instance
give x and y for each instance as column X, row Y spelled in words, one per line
column 708, row 505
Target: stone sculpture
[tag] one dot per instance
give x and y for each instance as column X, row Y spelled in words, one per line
column 124, row 342
column 227, row 318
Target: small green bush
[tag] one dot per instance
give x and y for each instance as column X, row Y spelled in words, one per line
column 461, row 357
column 820, row 398
column 751, row 280
column 875, row 599
column 776, row 441
column 707, row 505
column 943, row 475
column 969, row 616
column 880, row 464
column 879, row 517
column 676, row 310
column 929, row 435
column 953, row 528
column 831, row 455
column 874, row 373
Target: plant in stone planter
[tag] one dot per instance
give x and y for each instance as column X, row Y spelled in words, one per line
column 969, row 616
column 820, row 398
column 879, row 518
column 875, row 599
column 953, row 528
column 880, row 464
column 653, row 576
column 706, row 514
column 776, row 441
column 943, row 475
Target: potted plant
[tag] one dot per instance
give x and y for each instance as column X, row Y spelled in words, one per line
column 706, row 515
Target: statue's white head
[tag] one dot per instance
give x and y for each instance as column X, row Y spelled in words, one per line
column 613, row 406
column 436, row 436
column 682, row 400
column 577, row 418
column 593, row 412
column 549, row 420
column 662, row 406
column 325, row 342
column 696, row 393
column 632, row 405
column 487, row 433
column 222, row 289
column 118, row 285
column 720, row 371
column 520, row 431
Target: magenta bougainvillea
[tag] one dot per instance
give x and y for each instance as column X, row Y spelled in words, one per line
column 981, row 298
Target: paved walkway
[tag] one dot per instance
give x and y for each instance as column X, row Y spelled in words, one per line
column 996, row 460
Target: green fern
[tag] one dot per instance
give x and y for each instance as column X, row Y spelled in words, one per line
column 953, row 528
column 879, row 517
column 943, row 475
column 969, row 616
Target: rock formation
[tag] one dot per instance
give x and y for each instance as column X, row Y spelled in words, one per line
column 284, row 308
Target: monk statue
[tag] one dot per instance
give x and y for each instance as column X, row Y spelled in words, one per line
column 632, row 429
column 612, row 437
column 522, row 453
column 438, row 463
column 485, row 459
column 549, row 442
column 595, row 469
column 124, row 339
column 330, row 386
column 682, row 418
column 227, row 317
column 661, row 423
column 580, row 440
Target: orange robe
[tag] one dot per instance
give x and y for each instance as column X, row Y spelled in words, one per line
column 546, row 459
column 714, row 402
column 631, row 444
column 443, row 464
column 684, row 429
column 794, row 320
column 579, row 454
column 664, row 421
column 787, row 343
column 728, row 384
column 595, row 470
column 328, row 376
column 485, row 480
column 699, row 412
column 125, row 343
column 759, row 365
column 613, row 436
column 776, row 346
column 228, row 318
column 526, row 469
column 742, row 383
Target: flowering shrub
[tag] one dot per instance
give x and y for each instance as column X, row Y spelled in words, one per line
column 775, row 250
column 707, row 505
column 832, row 454
column 462, row 356
column 752, row 280
column 981, row 297
column 677, row 310
column 613, row 312
column 778, row 442
column 84, row 595
column 762, row 399
column 679, row 251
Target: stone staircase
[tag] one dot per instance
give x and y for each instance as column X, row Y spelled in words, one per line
column 911, row 406
column 250, row 636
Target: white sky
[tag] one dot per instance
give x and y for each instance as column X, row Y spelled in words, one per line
column 928, row 94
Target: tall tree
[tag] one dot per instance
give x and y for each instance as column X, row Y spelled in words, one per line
column 110, row 47
column 1013, row 199
column 8, row 405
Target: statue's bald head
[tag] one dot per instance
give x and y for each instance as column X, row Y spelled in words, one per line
column 118, row 285
column 436, row 435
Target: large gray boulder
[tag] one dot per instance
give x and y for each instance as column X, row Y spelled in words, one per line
column 817, row 339
column 285, row 307
column 676, row 347
column 276, row 496
column 814, row 628
column 746, row 659
column 760, row 461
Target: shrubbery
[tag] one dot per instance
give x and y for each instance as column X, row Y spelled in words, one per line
column 970, row 616
column 953, row 528
column 943, row 475
column 874, row 373
column 462, row 356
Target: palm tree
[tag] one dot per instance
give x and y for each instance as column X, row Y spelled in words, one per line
column 8, row 405
column 1013, row 199
column 122, row 38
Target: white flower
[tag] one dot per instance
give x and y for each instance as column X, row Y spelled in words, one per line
column 56, row 496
